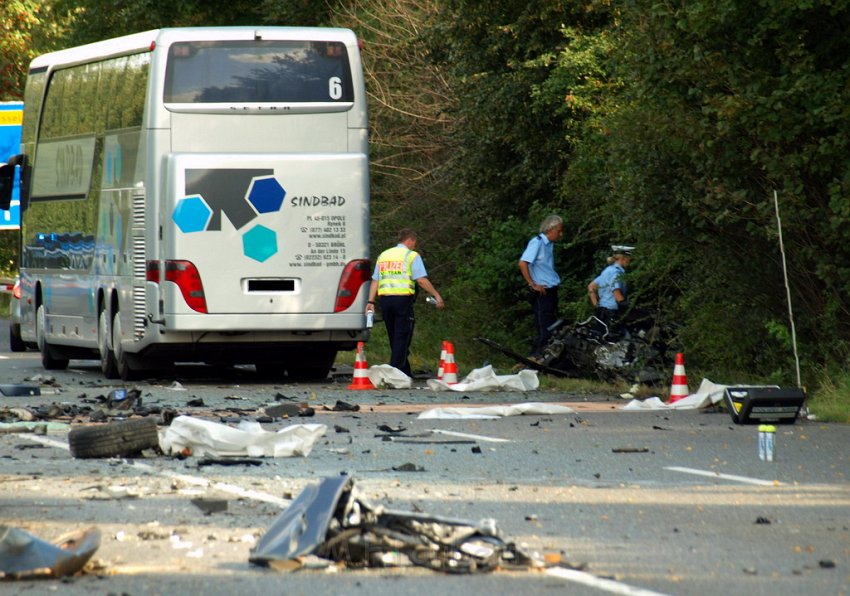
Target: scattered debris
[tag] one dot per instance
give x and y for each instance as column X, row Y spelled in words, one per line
column 408, row 467
column 122, row 399
column 630, row 450
column 762, row 521
column 389, row 429
column 210, row 505
column 113, row 491
column 19, row 390
column 24, row 555
column 44, row 380
column 37, row 429
column 329, row 520
column 342, row 406
column 229, row 461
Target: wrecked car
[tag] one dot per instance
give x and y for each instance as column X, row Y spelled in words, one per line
column 332, row 521
column 637, row 354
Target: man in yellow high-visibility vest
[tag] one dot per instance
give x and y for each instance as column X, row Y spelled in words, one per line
column 397, row 273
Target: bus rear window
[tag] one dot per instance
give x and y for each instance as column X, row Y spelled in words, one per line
column 262, row 71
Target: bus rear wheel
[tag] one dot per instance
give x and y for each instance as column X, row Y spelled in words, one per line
column 123, row 361
column 49, row 359
column 104, row 346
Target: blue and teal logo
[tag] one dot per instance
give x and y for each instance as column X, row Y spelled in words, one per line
column 241, row 196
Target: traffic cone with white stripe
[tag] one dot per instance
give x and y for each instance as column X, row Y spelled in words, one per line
column 442, row 368
column 679, row 386
column 360, row 380
column 449, row 366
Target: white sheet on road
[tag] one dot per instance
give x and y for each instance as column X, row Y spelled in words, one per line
column 386, row 375
column 207, row 438
column 486, row 379
column 480, row 379
column 494, row 412
column 709, row 393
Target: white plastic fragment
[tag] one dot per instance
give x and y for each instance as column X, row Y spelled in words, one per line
column 494, row 412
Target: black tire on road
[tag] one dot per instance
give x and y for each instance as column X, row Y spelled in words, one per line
column 117, row 439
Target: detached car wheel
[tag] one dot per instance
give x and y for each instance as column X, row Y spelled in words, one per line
column 117, row 439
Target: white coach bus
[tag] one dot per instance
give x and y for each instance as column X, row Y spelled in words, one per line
column 196, row 195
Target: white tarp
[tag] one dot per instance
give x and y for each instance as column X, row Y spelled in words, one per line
column 386, row 375
column 480, row 379
column 709, row 393
column 494, row 412
column 204, row 437
column 486, row 379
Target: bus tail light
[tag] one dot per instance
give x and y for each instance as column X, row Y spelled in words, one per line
column 355, row 274
column 187, row 278
column 152, row 271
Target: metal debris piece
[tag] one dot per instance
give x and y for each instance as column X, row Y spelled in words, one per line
column 18, row 390
column 24, row 555
column 630, row 450
column 331, row 521
column 229, row 461
column 210, row 505
column 342, row 406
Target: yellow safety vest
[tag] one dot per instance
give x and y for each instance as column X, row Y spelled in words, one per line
column 395, row 272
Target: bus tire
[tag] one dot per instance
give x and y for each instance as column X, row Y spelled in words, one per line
column 16, row 342
column 49, row 359
column 271, row 370
column 123, row 361
column 118, row 439
column 104, row 347
column 314, row 366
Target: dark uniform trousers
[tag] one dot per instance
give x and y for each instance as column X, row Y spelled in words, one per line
column 545, row 308
column 398, row 317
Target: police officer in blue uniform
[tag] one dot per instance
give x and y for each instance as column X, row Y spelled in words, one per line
column 608, row 292
column 537, row 265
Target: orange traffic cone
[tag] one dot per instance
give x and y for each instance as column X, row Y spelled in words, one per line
column 449, row 367
column 360, row 380
column 679, row 386
column 442, row 368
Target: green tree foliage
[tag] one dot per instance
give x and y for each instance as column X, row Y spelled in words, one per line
column 723, row 102
column 102, row 19
column 526, row 78
column 29, row 28
column 511, row 140
column 410, row 128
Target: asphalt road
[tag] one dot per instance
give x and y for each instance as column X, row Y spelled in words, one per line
column 632, row 503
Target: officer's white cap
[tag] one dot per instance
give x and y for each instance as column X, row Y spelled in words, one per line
column 621, row 249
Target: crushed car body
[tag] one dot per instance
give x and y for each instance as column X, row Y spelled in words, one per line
column 591, row 348
column 330, row 520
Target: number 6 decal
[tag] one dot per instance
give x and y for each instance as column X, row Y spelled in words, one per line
column 335, row 87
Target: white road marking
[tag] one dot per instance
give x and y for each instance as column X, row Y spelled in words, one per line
column 710, row 474
column 607, row 585
column 452, row 433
